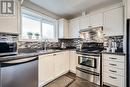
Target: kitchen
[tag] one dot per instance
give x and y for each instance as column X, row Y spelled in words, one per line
column 60, row 43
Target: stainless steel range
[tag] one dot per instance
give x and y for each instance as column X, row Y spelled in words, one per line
column 89, row 62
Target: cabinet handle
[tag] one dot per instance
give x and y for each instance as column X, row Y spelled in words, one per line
column 112, row 64
column 112, row 71
column 112, row 58
column 112, row 77
column 54, row 54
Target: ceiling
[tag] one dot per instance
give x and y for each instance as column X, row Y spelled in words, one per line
column 72, row 8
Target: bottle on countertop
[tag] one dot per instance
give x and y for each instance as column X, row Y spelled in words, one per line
column 113, row 46
column 63, row 45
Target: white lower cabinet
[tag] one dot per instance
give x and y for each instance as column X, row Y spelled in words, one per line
column 114, row 70
column 114, row 80
column 61, row 63
column 73, row 61
column 46, row 69
column 51, row 66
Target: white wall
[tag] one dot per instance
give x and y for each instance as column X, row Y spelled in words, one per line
column 35, row 7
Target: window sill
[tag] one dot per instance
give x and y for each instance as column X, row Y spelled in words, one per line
column 31, row 40
column 39, row 40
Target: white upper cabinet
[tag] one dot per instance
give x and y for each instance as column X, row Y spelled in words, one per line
column 74, row 28
column 113, row 22
column 93, row 20
column 63, row 28
column 9, row 24
column 110, row 18
column 96, row 20
column 84, row 22
column 128, row 8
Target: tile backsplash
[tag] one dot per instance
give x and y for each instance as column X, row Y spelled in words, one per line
column 69, row 43
column 117, row 39
column 24, row 44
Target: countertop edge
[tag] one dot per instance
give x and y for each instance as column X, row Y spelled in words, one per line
column 28, row 55
column 116, row 53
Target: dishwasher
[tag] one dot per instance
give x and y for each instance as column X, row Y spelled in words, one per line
column 19, row 73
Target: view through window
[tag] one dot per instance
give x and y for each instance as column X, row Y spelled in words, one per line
column 48, row 30
column 30, row 27
column 37, row 28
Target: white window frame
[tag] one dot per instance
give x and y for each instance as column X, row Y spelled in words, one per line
column 41, row 17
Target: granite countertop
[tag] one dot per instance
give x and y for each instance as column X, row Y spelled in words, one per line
column 42, row 52
column 116, row 53
column 31, row 54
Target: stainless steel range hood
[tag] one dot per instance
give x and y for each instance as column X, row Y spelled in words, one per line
column 92, row 34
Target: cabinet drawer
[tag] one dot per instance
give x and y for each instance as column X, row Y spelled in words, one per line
column 114, row 80
column 113, row 64
column 118, row 58
column 113, row 70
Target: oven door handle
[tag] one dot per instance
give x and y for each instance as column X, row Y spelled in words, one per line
column 87, row 71
column 18, row 61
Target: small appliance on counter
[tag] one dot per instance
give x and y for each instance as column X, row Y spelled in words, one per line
column 8, row 44
column 17, row 72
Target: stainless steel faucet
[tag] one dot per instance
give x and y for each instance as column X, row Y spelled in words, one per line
column 45, row 44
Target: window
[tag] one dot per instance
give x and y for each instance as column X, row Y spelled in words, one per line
column 30, row 26
column 48, row 30
column 37, row 27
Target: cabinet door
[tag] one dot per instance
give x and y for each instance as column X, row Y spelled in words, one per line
column 128, row 8
column 46, row 69
column 113, row 22
column 84, row 22
column 9, row 24
column 113, row 70
column 73, row 61
column 63, row 28
column 96, row 20
column 74, row 28
column 66, row 60
column 61, row 63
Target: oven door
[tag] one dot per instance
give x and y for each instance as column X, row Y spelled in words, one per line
column 91, row 63
column 87, row 61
